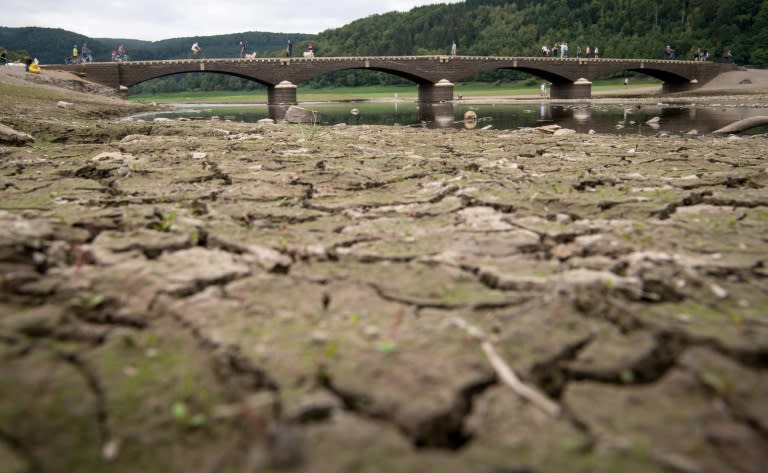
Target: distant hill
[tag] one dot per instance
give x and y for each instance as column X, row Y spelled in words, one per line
column 53, row 45
column 49, row 45
column 228, row 45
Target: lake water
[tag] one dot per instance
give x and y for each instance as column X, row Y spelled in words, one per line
column 603, row 118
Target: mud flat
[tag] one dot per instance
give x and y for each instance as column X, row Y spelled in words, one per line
column 226, row 297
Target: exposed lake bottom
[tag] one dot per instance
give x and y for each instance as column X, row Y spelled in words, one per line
column 206, row 295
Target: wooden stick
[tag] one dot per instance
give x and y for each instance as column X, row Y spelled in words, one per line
column 742, row 125
column 523, row 390
column 506, row 374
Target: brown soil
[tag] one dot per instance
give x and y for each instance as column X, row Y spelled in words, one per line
column 743, row 79
column 227, row 297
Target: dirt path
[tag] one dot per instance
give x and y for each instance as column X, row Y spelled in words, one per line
column 745, row 79
column 217, row 296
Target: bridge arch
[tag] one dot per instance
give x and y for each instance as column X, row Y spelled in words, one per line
column 395, row 71
column 656, row 71
column 536, row 68
column 239, row 76
column 134, row 76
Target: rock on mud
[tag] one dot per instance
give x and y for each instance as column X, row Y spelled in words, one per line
column 11, row 136
column 296, row 114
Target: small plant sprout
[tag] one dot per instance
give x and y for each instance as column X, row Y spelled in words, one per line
column 166, row 221
column 180, row 413
column 386, row 346
column 88, row 303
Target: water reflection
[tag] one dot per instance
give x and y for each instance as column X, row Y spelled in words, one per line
column 644, row 119
column 439, row 115
column 545, row 112
column 582, row 115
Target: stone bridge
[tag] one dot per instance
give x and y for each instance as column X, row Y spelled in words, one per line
column 435, row 76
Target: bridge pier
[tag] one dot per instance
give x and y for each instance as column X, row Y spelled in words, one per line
column 279, row 98
column 442, row 91
column 581, row 89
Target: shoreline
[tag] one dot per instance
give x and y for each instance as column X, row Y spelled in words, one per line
column 601, row 99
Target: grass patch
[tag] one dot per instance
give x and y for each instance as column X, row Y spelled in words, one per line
column 20, row 91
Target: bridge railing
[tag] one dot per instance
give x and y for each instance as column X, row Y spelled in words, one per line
column 443, row 58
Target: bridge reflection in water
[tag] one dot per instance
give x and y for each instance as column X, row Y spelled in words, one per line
column 602, row 118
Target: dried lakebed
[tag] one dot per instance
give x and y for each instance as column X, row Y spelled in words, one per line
column 215, row 296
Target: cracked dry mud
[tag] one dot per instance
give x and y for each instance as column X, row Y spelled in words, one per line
column 223, row 297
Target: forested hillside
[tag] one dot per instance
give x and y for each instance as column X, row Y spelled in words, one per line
column 620, row 28
column 51, row 45
column 263, row 44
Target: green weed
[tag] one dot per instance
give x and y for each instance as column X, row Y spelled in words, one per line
column 166, row 222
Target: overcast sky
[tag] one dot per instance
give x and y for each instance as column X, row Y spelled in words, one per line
column 153, row 20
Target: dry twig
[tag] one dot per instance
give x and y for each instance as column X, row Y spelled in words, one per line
column 506, row 374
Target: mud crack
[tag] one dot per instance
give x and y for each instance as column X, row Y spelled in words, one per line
column 22, row 451
column 443, row 429
column 647, row 369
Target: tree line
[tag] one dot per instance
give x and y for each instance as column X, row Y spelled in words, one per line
column 620, row 28
column 53, row 45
